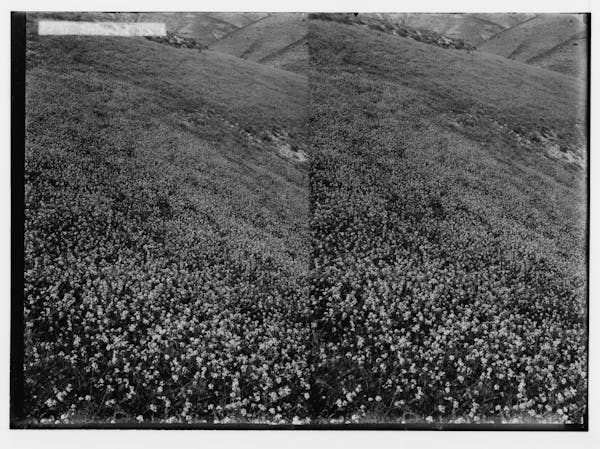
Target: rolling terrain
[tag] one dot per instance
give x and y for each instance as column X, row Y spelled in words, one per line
column 474, row 28
column 468, row 27
column 276, row 40
column 166, row 239
column 506, row 20
column 448, row 195
column 279, row 40
column 569, row 57
column 206, row 27
column 553, row 41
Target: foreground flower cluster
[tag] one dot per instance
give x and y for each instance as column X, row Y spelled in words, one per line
column 166, row 255
column 441, row 292
column 160, row 285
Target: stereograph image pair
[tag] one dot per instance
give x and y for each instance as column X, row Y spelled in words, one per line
column 305, row 219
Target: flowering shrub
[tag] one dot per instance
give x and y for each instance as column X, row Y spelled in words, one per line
column 449, row 277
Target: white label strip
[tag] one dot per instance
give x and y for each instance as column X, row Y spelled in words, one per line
column 66, row 28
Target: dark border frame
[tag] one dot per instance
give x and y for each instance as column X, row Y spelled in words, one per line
column 17, row 184
column 337, row 427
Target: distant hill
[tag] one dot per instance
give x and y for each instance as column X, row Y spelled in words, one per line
column 274, row 39
column 387, row 23
column 239, row 19
column 553, row 41
column 207, row 27
column 570, row 57
column 461, row 26
column 278, row 40
column 506, row 20
column 472, row 28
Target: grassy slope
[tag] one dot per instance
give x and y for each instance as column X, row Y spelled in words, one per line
column 534, row 37
column 165, row 246
column 210, row 27
column 239, row 19
column 278, row 41
column 249, row 93
column 202, row 26
column 570, row 57
column 468, row 27
column 449, row 259
column 472, row 28
column 506, row 20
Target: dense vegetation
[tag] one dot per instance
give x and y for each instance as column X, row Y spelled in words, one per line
column 165, row 243
column 174, row 270
column 449, row 259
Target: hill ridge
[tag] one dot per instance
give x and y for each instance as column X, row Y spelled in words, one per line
column 243, row 27
column 512, row 27
column 271, row 41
